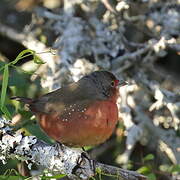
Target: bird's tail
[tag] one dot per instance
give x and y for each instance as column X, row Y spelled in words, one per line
column 22, row 99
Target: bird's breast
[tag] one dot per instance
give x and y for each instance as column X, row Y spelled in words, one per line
column 81, row 125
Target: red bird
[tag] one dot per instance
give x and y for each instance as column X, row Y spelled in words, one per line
column 80, row 114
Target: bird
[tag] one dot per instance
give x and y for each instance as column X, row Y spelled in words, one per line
column 82, row 113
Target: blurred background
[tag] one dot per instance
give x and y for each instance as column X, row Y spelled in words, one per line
column 137, row 40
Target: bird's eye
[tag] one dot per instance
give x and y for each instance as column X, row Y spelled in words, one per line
column 113, row 83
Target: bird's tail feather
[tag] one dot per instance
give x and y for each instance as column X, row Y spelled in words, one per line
column 22, row 99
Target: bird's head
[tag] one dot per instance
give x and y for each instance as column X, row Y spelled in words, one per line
column 106, row 84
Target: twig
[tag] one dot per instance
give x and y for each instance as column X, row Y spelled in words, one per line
column 47, row 14
column 116, row 62
column 156, row 45
column 108, row 6
column 119, row 172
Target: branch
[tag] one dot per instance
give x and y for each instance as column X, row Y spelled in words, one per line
column 156, row 45
column 108, row 5
column 167, row 140
column 163, row 97
column 142, row 126
column 119, row 172
column 57, row 158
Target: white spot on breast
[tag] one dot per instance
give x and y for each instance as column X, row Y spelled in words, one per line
column 65, row 119
column 99, row 114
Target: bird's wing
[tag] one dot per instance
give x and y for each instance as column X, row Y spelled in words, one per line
column 62, row 99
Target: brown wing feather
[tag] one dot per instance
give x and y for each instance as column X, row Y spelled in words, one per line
column 76, row 93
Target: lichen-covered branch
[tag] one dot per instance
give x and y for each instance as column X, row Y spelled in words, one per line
column 146, row 128
column 152, row 45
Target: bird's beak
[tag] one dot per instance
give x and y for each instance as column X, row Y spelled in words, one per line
column 122, row 83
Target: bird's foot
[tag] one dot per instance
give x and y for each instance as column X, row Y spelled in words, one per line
column 85, row 154
column 58, row 145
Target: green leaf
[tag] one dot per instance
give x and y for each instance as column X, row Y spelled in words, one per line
column 2, row 64
column 148, row 157
column 164, row 167
column 151, row 176
column 3, row 92
column 175, row 168
column 23, row 54
column 100, row 176
column 98, row 170
column 58, row 176
column 143, row 170
column 12, row 174
column 6, row 112
column 4, row 85
column 4, row 177
column 38, row 60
